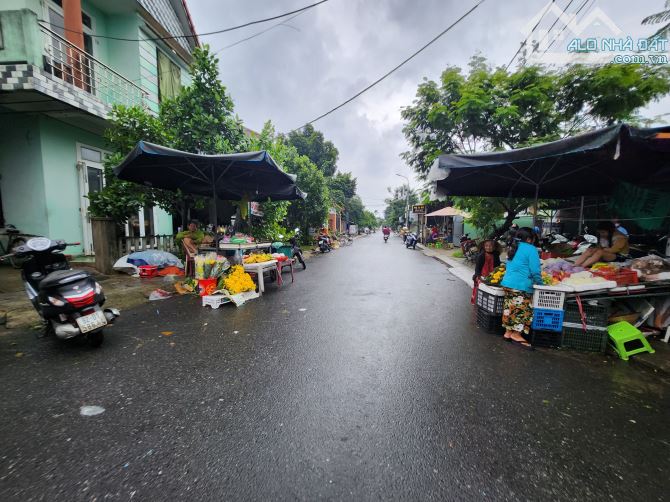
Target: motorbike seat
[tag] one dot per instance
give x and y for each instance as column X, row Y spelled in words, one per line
column 62, row 277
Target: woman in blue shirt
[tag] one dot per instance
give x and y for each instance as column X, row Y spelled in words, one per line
column 522, row 271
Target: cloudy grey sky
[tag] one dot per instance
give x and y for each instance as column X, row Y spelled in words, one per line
column 294, row 73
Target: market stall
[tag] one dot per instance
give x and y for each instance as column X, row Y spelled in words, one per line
column 248, row 177
column 584, row 309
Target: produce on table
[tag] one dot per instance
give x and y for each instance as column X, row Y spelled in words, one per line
column 651, row 265
column 582, row 278
column 494, row 278
column 238, row 281
column 257, row 258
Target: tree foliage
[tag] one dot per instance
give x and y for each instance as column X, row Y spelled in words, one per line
column 199, row 119
column 311, row 143
column 396, row 204
column 308, row 213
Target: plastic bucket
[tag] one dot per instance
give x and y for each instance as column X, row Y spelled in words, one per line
column 207, row 286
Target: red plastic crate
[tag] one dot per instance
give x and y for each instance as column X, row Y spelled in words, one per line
column 623, row 277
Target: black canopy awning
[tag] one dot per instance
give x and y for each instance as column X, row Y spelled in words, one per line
column 253, row 176
column 592, row 163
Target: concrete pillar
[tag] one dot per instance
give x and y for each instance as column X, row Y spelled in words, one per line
column 104, row 244
column 74, row 33
column 74, row 29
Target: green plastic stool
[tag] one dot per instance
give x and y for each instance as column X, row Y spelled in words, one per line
column 624, row 332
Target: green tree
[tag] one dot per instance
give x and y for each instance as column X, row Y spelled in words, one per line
column 312, row 211
column 200, row 118
column 310, row 142
column 396, row 205
column 344, row 183
column 122, row 199
column 662, row 17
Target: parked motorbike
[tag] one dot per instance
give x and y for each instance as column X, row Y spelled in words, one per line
column 68, row 301
column 411, row 240
column 324, row 244
column 297, row 252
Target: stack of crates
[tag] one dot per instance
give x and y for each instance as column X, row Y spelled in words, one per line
column 490, row 308
column 547, row 318
column 590, row 333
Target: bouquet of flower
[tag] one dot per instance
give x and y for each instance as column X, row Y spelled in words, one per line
column 494, row 278
column 210, row 266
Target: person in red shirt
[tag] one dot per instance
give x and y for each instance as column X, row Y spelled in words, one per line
column 386, row 230
column 487, row 260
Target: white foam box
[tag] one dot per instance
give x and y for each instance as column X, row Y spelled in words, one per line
column 214, row 301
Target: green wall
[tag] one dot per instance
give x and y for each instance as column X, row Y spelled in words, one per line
column 21, row 180
column 21, row 37
column 61, row 178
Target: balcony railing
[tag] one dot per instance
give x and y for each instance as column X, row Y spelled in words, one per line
column 71, row 64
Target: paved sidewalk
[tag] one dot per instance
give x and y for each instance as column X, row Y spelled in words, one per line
column 457, row 266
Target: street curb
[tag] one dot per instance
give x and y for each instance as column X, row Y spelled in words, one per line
column 459, row 270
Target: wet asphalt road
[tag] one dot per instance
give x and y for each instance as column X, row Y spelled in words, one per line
column 362, row 380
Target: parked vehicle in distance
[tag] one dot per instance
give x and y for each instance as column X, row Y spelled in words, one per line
column 411, row 240
column 68, row 301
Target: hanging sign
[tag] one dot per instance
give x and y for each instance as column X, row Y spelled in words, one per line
column 419, row 208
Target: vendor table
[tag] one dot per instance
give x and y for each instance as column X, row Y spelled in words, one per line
column 259, row 269
column 230, row 246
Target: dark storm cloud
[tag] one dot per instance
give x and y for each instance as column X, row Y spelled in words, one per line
column 293, row 74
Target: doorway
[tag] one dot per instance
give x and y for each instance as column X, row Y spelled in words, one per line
column 91, row 179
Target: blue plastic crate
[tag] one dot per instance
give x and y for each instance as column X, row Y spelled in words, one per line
column 548, row 320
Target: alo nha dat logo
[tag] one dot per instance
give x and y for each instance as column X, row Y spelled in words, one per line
column 586, row 36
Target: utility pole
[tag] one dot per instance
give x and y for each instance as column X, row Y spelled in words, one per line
column 406, row 199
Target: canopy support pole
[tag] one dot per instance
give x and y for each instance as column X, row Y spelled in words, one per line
column 581, row 216
column 537, row 195
column 216, row 209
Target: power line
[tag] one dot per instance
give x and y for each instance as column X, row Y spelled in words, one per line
column 522, row 44
column 196, row 35
column 394, row 69
column 259, row 33
column 555, row 23
column 565, row 27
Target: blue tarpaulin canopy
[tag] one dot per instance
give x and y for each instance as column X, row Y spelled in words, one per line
column 593, row 163
column 253, row 176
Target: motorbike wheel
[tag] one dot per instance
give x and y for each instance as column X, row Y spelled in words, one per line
column 301, row 260
column 95, row 339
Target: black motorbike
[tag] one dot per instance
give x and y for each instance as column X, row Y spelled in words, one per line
column 297, row 252
column 68, row 301
column 386, row 238
column 324, row 244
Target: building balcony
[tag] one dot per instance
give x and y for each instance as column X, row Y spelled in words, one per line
column 68, row 63
column 41, row 72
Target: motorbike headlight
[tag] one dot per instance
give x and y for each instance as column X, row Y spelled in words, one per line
column 55, row 301
column 98, row 288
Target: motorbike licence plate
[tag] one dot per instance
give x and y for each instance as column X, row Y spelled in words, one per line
column 92, row 321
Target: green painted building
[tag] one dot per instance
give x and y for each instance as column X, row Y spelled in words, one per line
column 62, row 67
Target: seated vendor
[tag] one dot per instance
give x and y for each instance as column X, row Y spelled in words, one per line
column 613, row 246
column 193, row 237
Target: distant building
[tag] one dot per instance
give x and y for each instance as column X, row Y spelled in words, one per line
column 63, row 64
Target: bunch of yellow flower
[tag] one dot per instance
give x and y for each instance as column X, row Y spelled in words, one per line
column 257, row 258
column 238, row 281
column 496, row 276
